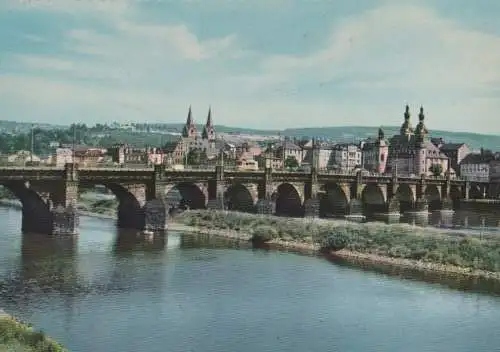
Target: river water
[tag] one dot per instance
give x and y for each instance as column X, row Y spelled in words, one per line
column 114, row 291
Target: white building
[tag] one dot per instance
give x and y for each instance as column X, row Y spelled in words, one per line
column 22, row 157
column 345, row 157
column 481, row 167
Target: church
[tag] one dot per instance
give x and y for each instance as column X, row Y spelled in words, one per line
column 412, row 153
column 176, row 152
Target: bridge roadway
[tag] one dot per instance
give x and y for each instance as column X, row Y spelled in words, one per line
column 49, row 194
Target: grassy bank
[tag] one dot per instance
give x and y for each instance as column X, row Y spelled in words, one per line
column 398, row 244
column 20, row 337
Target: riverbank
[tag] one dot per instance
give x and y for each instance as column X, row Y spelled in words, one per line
column 405, row 246
column 19, row 336
column 428, row 249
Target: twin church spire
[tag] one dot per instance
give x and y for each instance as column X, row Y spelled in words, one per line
column 406, row 128
column 189, row 129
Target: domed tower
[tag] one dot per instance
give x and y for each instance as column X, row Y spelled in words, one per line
column 420, row 145
column 421, row 131
column 406, row 129
column 208, row 129
column 189, row 129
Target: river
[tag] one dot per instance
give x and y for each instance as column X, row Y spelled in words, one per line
column 113, row 291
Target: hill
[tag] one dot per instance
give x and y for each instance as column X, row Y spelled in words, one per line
column 356, row 133
column 152, row 134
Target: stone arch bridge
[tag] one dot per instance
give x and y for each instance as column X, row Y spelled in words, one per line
column 49, row 195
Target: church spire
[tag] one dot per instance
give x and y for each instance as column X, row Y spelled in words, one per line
column 189, row 129
column 209, row 117
column 421, row 131
column 208, row 129
column 406, row 128
column 381, row 134
column 189, row 120
column 421, row 115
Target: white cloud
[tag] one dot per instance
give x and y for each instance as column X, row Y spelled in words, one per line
column 153, row 71
column 411, row 45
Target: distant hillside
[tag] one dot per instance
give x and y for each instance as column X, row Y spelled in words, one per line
column 473, row 140
column 340, row 134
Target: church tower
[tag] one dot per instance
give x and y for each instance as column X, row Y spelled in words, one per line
column 382, row 152
column 208, row 129
column 420, row 145
column 189, row 129
column 406, row 129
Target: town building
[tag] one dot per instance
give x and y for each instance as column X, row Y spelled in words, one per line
column 412, row 153
column 79, row 154
column 21, row 158
column 345, row 157
column 456, row 152
column 375, row 153
column 482, row 166
column 324, row 154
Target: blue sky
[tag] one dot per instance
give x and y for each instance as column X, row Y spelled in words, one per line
column 260, row 64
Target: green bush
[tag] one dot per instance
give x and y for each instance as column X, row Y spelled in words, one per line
column 264, row 233
column 15, row 336
column 335, row 241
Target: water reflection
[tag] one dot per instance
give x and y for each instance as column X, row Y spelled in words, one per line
column 189, row 241
column 128, row 242
column 460, row 219
column 453, row 281
column 47, row 265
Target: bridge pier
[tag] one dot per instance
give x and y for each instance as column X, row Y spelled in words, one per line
column 266, row 207
column 216, row 190
column 447, row 204
column 421, row 205
column 355, row 207
column 393, row 206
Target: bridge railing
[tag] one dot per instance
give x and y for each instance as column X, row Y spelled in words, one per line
column 211, row 168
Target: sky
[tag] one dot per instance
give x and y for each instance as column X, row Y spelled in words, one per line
column 259, row 64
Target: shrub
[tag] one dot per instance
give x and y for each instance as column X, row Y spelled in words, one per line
column 335, row 241
column 264, row 233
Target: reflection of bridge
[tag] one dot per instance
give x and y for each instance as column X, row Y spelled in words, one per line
column 49, row 195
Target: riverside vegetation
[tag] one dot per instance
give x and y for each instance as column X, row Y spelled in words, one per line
column 398, row 244
column 20, row 337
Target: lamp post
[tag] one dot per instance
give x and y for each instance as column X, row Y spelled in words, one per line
column 32, row 143
column 74, row 143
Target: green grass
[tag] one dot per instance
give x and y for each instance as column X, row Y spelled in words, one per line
column 18, row 336
column 395, row 241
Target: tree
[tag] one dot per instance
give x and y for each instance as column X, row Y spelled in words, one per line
column 196, row 156
column 291, row 162
column 436, row 169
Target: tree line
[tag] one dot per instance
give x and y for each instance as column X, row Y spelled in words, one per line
column 43, row 140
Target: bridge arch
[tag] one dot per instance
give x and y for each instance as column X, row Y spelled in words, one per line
column 433, row 196
column 333, row 201
column 406, row 197
column 36, row 211
column 373, row 199
column 186, row 195
column 475, row 191
column 288, row 201
column 239, row 198
column 131, row 200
